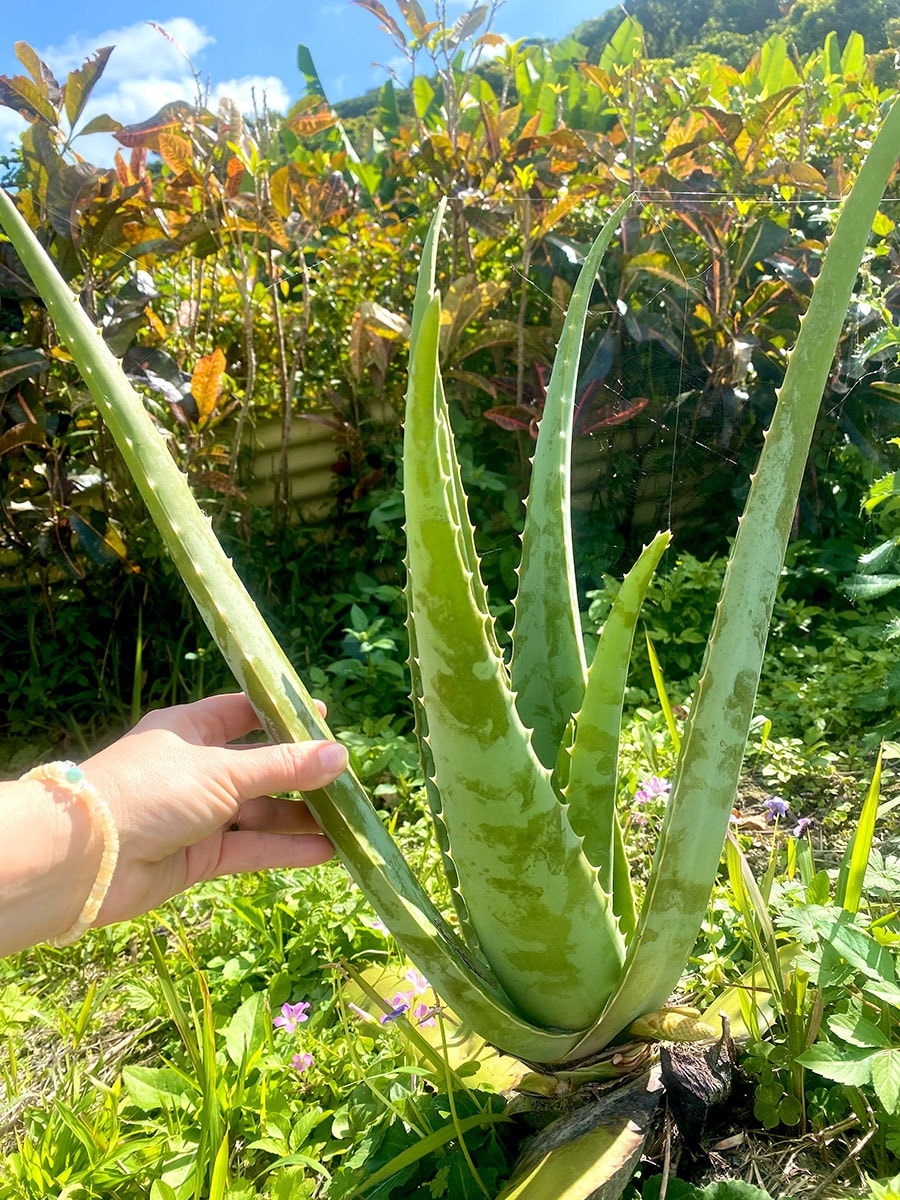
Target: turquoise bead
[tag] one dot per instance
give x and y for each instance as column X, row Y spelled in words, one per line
column 74, row 775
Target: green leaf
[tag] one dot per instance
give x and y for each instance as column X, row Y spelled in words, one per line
column 314, row 86
column 245, row 1033
column 153, row 1088
column 858, row 1031
column 853, row 59
column 432, row 1142
column 662, row 693
column 388, row 113
column 18, row 365
column 219, row 1178
column 160, row 1190
column 423, row 97
column 625, row 45
column 775, row 69
column 102, row 124
column 732, row 1189
column 590, row 789
column 852, row 1067
column 81, row 82
column 886, row 1079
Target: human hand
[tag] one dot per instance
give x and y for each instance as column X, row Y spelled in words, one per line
column 188, row 806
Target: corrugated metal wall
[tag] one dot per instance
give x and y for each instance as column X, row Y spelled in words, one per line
column 312, row 449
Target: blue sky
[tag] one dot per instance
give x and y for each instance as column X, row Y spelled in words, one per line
column 239, row 47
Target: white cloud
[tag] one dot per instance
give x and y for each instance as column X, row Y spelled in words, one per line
column 138, row 47
column 243, row 90
column 11, row 125
column 146, row 70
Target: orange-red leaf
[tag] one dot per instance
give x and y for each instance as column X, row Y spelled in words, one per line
column 388, row 24
column 235, row 171
column 170, row 117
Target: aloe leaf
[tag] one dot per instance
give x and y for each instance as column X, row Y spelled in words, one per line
column 590, row 1153
column 540, row 917
column 263, row 671
column 593, row 766
column 425, row 284
column 712, row 751
column 424, row 290
column 548, row 666
column 433, row 793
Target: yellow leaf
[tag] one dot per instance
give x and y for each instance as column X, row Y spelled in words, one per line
column 206, row 383
column 882, row 225
column 176, row 152
column 155, row 323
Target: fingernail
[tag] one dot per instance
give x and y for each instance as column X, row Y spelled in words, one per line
column 332, row 757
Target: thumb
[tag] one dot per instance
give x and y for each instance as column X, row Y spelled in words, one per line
column 284, row 767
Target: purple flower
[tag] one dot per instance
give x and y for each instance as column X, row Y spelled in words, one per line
column 776, row 808
column 653, row 787
column 292, row 1015
column 302, row 1062
column 397, row 1011
column 406, row 1001
column 801, row 827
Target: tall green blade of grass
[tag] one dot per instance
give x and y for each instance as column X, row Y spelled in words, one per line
column 853, row 867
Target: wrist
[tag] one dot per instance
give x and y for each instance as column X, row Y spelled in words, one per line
column 57, row 853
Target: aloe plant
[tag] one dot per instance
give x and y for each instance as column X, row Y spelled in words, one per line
column 551, row 960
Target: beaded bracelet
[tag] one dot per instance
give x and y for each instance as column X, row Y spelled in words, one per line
column 67, row 778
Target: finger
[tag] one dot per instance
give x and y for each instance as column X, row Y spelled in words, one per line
column 219, row 720
column 283, row 767
column 213, row 721
column 250, row 851
column 266, row 814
